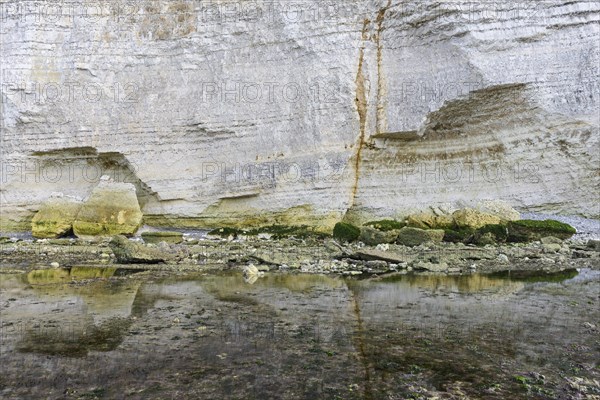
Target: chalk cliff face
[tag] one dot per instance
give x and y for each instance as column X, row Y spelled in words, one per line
column 224, row 112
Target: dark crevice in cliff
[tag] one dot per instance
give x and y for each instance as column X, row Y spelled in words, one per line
column 361, row 94
column 361, row 107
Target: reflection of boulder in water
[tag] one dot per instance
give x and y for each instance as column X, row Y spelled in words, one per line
column 229, row 287
column 250, row 274
column 80, row 273
column 102, row 300
column 250, row 279
column 399, row 291
column 74, row 340
column 475, row 283
column 303, row 283
column 48, row 276
column 536, row 276
column 63, row 275
column 98, row 322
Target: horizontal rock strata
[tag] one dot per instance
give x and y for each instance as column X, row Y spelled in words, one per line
column 303, row 114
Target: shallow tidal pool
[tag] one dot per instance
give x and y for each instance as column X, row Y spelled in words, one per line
column 110, row 333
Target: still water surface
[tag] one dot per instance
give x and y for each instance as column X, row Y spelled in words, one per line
column 90, row 333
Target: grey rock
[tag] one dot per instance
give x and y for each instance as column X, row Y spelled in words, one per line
column 593, row 244
column 388, row 256
column 128, row 252
column 377, row 266
column 551, row 240
column 431, row 267
column 552, row 248
column 502, row 258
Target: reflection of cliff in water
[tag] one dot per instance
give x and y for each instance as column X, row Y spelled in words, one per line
column 432, row 301
column 73, row 317
column 70, row 312
column 316, row 336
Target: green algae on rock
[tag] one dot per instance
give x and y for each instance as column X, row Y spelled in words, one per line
column 489, row 234
column 162, row 236
column 234, row 214
column 55, row 218
column 274, row 231
column 372, row 237
column 414, row 236
column 457, row 235
column 527, row 230
column 346, row 232
column 111, row 209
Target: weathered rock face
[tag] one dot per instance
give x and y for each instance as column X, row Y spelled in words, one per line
column 231, row 113
column 372, row 237
column 427, row 220
column 473, row 219
column 111, row 209
column 128, row 252
column 55, row 217
column 528, row 230
column 414, row 236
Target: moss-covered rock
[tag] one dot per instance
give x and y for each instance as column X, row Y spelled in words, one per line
column 527, row 230
column 111, row 209
column 55, row 218
column 385, row 225
column 283, row 231
column 408, row 236
column 373, row 237
column 163, row 236
column 346, row 232
column 489, row 234
column 276, row 231
column 457, row 235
